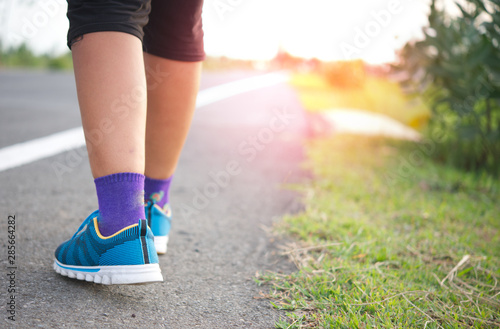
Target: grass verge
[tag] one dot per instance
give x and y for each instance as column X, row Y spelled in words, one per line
column 316, row 94
column 382, row 247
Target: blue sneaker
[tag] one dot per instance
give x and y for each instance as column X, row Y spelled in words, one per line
column 126, row 257
column 159, row 220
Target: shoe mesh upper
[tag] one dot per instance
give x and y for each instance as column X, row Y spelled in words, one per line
column 88, row 249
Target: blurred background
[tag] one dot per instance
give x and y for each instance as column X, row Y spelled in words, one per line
column 432, row 66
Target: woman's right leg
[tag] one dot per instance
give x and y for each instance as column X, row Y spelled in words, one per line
column 173, row 45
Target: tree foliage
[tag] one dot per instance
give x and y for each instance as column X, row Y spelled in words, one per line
column 457, row 66
column 23, row 57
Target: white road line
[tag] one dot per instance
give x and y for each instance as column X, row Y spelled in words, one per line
column 23, row 153
column 217, row 93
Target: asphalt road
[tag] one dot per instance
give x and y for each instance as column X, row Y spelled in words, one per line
column 217, row 242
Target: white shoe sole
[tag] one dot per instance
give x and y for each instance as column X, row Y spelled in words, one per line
column 161, row 244
column 119, row 274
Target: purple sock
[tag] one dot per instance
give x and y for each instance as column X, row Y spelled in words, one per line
column 121, row 201
column 157, row 190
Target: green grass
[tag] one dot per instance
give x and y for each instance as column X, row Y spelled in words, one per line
column 316, row 94
column 380, row 233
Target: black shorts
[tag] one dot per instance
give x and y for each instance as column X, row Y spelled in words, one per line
column 168, row 28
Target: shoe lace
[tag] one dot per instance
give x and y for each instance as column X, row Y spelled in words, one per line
column 166, row 208
column 83, row 226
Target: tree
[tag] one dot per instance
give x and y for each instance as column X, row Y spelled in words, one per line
column 460, row 57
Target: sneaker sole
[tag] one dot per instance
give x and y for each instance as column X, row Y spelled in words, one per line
column 161, row 244
column 119, row 274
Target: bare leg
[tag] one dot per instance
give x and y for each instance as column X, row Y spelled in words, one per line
column 111, row 86
column 172, row 94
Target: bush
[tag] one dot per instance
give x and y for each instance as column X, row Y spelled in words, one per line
column 63, row 62
column 23, row 57
column 460, row 57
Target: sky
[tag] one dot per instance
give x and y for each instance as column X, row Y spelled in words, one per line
column 255, row 29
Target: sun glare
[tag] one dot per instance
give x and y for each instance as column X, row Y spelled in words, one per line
column 371, row 30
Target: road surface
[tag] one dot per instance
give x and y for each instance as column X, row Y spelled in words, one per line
column 217, row 242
